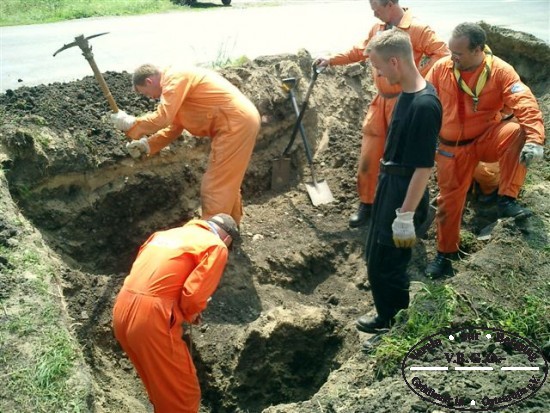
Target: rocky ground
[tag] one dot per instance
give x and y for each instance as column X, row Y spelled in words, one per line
column 280, row 329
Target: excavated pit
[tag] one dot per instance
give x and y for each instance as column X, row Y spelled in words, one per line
column 269, row 336
column 282, row 317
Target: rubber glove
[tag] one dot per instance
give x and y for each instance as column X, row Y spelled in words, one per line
column 531, row 152
column 122, row 120
column 404, row 235
column 138, row 148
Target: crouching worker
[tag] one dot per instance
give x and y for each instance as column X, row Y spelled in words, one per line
column 205, row 104
column 175, row 273
column 402, row 200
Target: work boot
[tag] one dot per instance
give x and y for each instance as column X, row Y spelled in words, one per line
column 509, row 208
column 368, row 324
column 441, row 266
column 361, row 217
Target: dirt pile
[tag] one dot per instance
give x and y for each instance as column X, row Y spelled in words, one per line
column 279, row 331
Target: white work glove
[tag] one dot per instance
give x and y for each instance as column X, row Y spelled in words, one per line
column 122, row 120
column 139, row 147
column 404, row 235
column 531, row 152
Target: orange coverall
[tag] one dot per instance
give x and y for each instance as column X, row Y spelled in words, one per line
column 487, row 176
column 205, row 104
column 427, row 49
column 174, row 274
column 479, row 136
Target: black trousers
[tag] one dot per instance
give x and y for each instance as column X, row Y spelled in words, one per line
column 387, row 271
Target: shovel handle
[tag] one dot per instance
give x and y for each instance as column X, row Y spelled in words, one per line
column 302, row 111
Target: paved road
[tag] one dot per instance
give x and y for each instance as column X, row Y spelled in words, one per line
column 194, row 37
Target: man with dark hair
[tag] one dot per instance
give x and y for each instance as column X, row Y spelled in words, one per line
column 174, row 275
column 474, row 87
column 205, row 104
column 402, row 197
column 427, row 49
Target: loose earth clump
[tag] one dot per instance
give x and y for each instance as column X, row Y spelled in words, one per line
column 279, row 334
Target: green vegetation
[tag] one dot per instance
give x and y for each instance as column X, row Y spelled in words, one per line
column 18, row 12
column 438, row 306
column 41, row 364
column 530, row 320
column 468, row 241
column 432, row 309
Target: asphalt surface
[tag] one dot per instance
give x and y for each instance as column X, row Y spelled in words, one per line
column 217, row 33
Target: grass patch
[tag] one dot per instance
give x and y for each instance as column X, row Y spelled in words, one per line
column 41, row 364
column 18, row 12
column 223, row 57
column 432, row 309
column 529, row 320
column 228, row 62
column 38, row 376
column 436, row 307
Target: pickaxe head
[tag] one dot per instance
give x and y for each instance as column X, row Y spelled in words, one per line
column 81, row 42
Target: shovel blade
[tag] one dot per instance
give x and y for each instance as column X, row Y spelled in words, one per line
column 423, row 228
column 319, row 192
column 485, row 233
column 280, row 174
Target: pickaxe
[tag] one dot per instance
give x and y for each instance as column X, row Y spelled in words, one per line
column 82, row 42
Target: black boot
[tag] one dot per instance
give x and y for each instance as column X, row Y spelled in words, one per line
column 509, row 208
column 441, row 266
column 372, row 325
column 361, row 217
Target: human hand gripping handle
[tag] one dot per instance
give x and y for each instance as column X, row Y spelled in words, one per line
column 138, row 148
column 531, row 152
column 404, row 235
column 197, row 319
column 122, row 120
column 320, row 62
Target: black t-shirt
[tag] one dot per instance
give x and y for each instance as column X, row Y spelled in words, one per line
column 411, row 142
column 414, row 127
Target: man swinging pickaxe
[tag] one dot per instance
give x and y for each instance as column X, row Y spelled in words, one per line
column 82, row 42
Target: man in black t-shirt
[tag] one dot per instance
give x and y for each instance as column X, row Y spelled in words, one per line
column 401, row 200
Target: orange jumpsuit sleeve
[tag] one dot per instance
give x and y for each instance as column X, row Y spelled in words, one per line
column 355, row 54
column 175, row 89
column 523, row 103
column 433, row 48
column 163, row 138
column 202, row 281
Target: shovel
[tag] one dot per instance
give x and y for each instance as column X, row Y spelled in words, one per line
column 318, row 191
column 280, row 176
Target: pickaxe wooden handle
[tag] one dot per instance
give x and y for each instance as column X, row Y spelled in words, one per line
column 82, row 42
